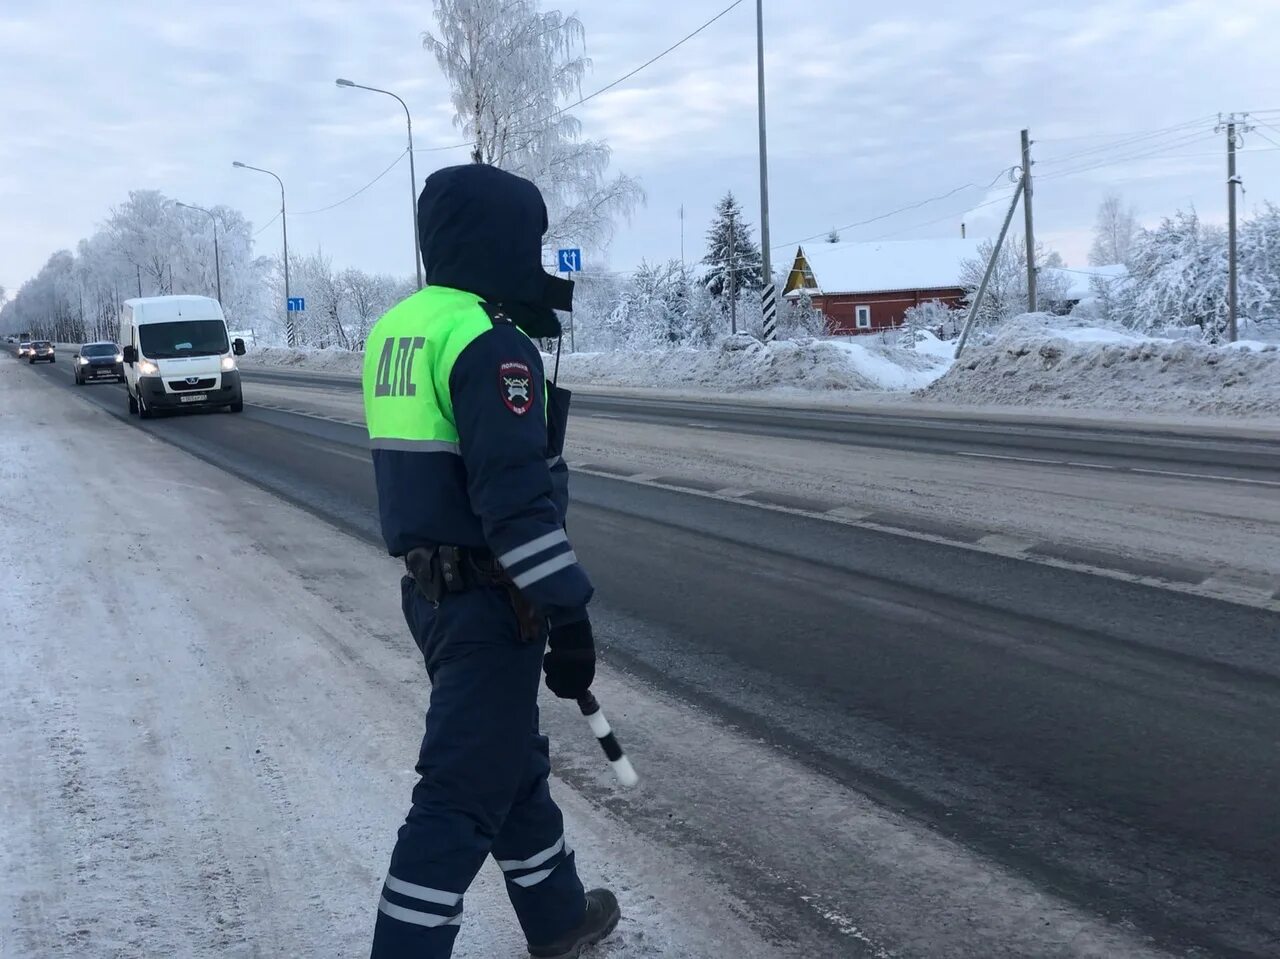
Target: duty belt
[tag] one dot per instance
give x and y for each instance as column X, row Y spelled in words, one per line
column 442, row 571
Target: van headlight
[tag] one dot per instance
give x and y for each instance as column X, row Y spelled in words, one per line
column 147, row 368
column 228, row 364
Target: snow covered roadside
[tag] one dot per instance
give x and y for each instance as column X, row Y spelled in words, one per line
column 211, row 714
column 1046, row 361
column 827, row 366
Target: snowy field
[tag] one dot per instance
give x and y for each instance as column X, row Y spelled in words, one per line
column 1045, row 361
column 1035, row 363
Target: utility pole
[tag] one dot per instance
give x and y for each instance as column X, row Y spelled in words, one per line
column 733, row 274
column 139, row 269
column 1234, row 128
column 991, row 265
column 768, row 296
column 1032, row 299
column 681, row 234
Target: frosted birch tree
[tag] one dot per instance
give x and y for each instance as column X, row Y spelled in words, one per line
column 513, row 70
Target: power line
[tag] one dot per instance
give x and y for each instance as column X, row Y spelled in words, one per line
column 1127, row 142
column 604, row 89
column 1173, row 144
column 264, row 226
column 942, row 219
column 1265, row 137
column 324, row 209
column 892, row 213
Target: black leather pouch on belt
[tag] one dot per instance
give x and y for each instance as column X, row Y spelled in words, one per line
column 453, row 569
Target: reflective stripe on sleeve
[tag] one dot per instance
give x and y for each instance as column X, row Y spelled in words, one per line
column 543, row 570
column 532, row 548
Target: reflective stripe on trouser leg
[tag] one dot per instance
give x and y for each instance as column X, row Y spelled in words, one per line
column 535, row 858
column 476, row 769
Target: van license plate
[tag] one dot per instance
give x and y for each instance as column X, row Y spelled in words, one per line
column 197, row 398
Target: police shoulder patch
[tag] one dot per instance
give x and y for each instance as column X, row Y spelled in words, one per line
column 515, row 383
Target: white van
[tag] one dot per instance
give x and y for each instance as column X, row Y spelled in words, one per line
column 177, row 355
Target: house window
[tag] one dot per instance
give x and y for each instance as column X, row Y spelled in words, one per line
column 863, row 317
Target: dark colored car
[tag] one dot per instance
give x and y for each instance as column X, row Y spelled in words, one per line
column 99, row 361
column 41, row 350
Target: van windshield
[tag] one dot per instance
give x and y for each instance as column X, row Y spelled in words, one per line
column 162, row 341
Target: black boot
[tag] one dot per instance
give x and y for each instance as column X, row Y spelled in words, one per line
column 601, row 919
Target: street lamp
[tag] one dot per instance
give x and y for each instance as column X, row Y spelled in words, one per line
column 413, row 176
column 217, row 265
column 284, row 223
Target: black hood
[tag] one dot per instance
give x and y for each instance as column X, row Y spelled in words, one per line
column 481, row 231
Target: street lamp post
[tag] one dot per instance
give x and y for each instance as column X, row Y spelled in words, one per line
column 284, row 223
column 413, row 176
column 217, row 265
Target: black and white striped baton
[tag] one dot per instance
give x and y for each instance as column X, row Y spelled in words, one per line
column 608, row 741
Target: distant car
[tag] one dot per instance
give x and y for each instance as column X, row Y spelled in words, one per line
column 99, row 361
column 41, row 350
column 24, row 348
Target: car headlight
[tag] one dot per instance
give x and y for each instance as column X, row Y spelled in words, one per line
column 119, row 357
column 228, row 364
column 81, row 360
column 147, row 368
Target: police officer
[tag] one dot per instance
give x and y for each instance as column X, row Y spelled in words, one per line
column 467, row 436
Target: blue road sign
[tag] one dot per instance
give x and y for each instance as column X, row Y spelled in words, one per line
column 570, row 261
column 297, row 304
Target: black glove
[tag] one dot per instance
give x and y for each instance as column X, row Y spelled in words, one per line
column 570, row 663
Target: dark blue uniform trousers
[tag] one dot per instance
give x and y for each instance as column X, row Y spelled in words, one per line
column 483, row 785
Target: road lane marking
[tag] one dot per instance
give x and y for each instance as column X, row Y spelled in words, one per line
column 1206, row 476
column 1015, row 459
column 995, row 544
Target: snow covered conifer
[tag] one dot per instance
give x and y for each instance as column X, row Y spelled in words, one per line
column 729, row 241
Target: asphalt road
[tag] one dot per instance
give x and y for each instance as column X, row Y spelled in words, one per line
column 1160, row 451
column 1118, row 745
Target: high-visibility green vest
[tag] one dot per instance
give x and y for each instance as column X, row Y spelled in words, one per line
column 408, row 359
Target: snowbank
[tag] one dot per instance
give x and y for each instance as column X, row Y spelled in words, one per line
column 1040, row 360
column 743, row 363
column 735, row 364
column 332, row 361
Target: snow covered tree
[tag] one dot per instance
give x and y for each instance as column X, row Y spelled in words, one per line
column 1114, row 234
column 1006, row 295
column 512, row 68
column 1178, row 277
column 733, row 259
column 933, row 317
column 1259, row 264
column 798, row 317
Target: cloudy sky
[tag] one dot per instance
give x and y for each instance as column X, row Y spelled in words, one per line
column 872, row 107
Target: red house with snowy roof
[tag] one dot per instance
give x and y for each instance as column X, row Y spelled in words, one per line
column 866, row 287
